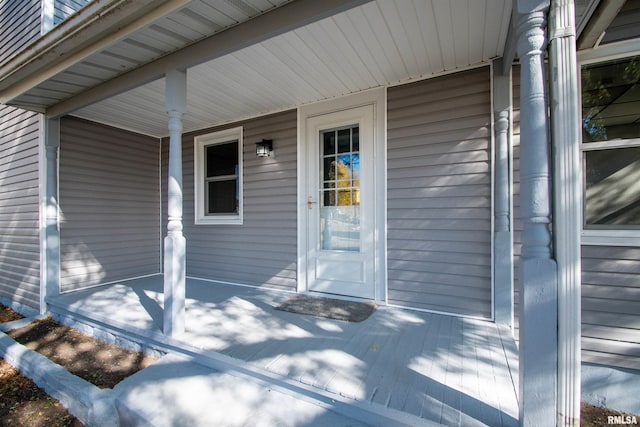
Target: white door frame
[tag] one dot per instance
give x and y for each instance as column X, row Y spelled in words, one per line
column 377, row 98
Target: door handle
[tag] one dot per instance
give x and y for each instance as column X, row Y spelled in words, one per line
column 310, row 202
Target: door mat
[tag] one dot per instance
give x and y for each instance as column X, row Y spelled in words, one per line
column 328, row 307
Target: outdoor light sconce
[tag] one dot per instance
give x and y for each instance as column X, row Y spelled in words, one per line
column 264, row 148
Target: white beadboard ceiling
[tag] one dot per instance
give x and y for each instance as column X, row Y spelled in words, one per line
column 379, row 43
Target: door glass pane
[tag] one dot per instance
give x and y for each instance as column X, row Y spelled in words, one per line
column 344, row 140
column 329, row 142
column 340, row 188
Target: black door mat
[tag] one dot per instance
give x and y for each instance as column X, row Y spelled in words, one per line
column 329, row 308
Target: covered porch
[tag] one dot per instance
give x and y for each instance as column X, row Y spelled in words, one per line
column 414, row 367
column 185, row 63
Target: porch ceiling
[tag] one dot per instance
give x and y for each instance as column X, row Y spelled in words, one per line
column 377, row 43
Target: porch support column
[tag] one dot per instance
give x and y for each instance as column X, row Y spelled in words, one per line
column 50, row 276
column 503, row 239
column 175, row 243
column 567, row 218
column 538, row 293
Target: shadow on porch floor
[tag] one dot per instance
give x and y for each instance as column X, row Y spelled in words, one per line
column 451, row 370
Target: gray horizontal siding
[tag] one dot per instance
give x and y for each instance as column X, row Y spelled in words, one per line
column 439, row 194
column 263, row 250
column 19, row 26
column 610, row 306
column 110, row 204
column 19, row 207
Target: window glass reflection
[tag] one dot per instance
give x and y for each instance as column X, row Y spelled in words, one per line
column 611, row 100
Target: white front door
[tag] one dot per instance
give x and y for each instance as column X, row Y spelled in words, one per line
column 340, row 203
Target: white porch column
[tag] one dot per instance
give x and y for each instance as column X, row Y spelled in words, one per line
column 175, row 243
column 538, row 293
column 567, row 218
column 503, row 239
column 50, row 270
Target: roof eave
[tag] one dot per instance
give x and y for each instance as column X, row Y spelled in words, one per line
column 86, row 32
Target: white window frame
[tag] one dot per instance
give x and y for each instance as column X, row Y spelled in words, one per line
column 199, row 158
column 608, row 236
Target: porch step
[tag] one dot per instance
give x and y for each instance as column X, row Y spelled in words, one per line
column 178, row 391
column 196, row 387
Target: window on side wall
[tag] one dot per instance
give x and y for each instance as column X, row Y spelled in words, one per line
column 611, row 150
column 218, row 177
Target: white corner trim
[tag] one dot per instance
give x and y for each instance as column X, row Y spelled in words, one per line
column 49, row 175
column 565, row 108
column 501, row 195
column 301, row 240
column 161, row 213
column 42, row 204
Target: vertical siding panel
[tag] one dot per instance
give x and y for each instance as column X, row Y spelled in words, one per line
column 263, row 250
column 19, row 26
column 19, row 207
column 439, row 194
column 109, row 202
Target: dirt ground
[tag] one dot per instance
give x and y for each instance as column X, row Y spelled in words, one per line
column 102, row 364
column 593, row 416
column 7, row 314
column 22, row 403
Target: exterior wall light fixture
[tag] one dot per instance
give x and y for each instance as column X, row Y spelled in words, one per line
column 264, row 148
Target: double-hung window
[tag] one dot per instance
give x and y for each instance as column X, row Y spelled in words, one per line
column 611, row 150
column 218, row 177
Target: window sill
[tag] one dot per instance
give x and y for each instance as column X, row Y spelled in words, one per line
column 611, row 238
column 223, row 220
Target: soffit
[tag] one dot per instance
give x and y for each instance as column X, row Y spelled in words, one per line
column 379, row 43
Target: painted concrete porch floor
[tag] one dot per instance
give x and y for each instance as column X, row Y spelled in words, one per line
column 455, row 371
